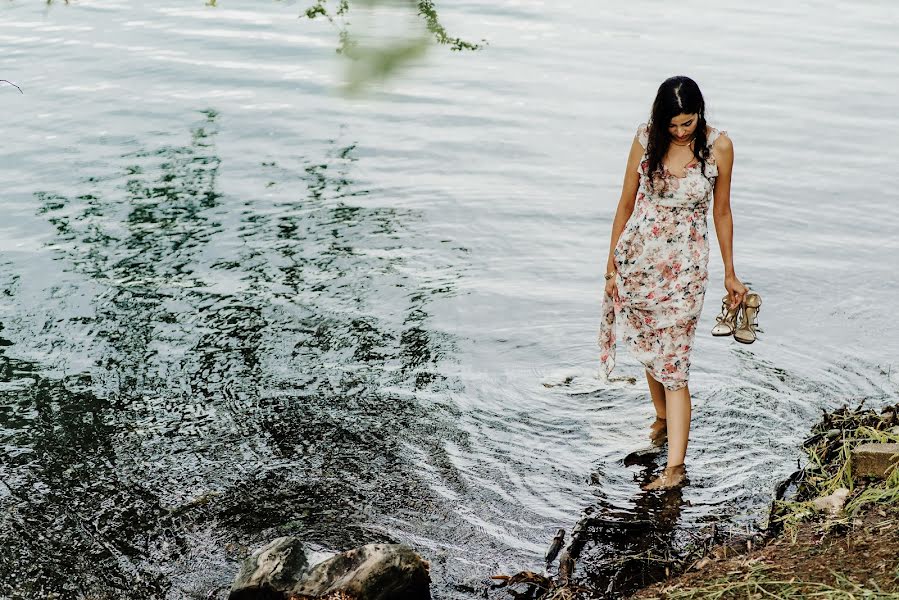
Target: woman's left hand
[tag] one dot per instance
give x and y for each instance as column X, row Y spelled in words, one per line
column 735, row 289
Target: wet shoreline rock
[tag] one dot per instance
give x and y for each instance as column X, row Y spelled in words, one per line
column 280, row 570
column 874, row 459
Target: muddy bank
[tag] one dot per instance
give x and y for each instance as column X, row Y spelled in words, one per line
column 860, row 562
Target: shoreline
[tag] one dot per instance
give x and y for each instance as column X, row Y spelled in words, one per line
column 831, row 533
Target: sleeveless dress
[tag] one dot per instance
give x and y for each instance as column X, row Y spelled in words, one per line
column 661, row 260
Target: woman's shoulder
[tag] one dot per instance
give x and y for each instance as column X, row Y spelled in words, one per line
column 721, row 147
column 718, row 139
column 642, row 134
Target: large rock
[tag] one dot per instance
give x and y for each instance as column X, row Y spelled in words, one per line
column 874, row 460
column 280, row 571
column 372, row 572
column 271, row 571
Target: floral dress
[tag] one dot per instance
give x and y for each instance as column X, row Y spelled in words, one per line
column 661, row 260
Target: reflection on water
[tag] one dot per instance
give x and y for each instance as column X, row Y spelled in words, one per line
column 618, row 551
column 79, row 523
column 245, row 379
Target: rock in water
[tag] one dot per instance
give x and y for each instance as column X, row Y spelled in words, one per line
column 280, row 571
column 270, row 571
column 372, row 572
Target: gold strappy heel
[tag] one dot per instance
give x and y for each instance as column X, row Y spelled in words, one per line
column 727, row 320
column 748, row 324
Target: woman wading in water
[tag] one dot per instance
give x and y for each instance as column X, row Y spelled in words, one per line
column 658, row 257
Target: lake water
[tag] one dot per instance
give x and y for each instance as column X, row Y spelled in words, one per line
column 238, row 305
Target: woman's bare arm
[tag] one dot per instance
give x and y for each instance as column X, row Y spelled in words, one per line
column 724, row 223
column 627, row 200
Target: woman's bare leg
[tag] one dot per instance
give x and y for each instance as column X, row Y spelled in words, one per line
column 657, row 431
column 678, row 410
column 657, row 391
column 678, row 423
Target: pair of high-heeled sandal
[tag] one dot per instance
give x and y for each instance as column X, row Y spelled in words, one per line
column 740, row 321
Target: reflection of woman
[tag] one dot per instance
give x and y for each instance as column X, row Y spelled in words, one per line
column 657, row 269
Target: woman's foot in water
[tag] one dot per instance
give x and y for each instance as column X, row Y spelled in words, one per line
column 670, row 478
column 658, row 431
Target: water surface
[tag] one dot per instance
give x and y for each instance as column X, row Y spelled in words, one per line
column 238, row 305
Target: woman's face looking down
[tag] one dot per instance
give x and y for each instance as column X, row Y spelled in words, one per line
column 682, row 127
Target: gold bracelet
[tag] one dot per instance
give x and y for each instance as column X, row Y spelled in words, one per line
column 610, row 275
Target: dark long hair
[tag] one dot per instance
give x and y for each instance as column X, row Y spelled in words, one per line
column 676, row 96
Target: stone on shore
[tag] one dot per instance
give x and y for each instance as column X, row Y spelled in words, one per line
column 833, row 503
column 280, row 571
column 874, row 460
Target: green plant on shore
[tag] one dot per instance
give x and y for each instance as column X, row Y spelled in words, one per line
column 761, row 582
column 791, row 515
column 886, row 493
column 830, row 468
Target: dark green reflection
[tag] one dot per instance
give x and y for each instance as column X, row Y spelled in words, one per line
column 256, row 370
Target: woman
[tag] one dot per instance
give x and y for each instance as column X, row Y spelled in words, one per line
column 657, row 269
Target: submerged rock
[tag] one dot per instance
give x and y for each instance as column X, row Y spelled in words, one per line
column 372, row 572
column 270, row 571
column 280, row 570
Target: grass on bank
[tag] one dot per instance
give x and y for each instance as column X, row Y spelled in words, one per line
column 830, row 468
column 761, row 582
column 849, row 554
